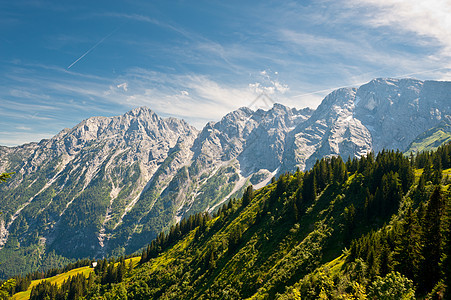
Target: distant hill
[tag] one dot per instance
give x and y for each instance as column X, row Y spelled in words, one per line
column 431, row 139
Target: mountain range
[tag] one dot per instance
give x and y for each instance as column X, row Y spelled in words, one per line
column 109, row 185
column 371, row 228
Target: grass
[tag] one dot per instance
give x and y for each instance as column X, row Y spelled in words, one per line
column 336, row 265
column 418, row 173
column 60, row 278
column 431, row 142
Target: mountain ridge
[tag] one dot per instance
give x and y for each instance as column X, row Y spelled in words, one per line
column 374, row 228
column 146, row 173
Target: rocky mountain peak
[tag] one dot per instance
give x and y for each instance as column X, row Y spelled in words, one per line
column 331, row 130
column 236, row 118
column 276, row 111
column 112, row 183
column 280, row 108
column 142, row 111
column 395, row 111
column 382, row 94
column 340, row 98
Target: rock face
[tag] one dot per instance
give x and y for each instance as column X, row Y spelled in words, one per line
column 265, row 145
column 382, row 114
column 396, row 111
column 110, row 185
column 331, row 130
column 76, row 187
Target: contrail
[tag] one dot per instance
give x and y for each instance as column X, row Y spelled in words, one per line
column 358, row 84
column 93, row 47
column 427, row 71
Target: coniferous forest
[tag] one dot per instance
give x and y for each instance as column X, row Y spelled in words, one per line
column 377, row 227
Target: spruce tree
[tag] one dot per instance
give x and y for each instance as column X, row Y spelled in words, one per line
column 446, row 254
column 248, row 195
column 385, row 261
column 4, row 176
column 432, row 240
column 349, row 216
column 427, row 170
column 436, row 176
column 408, row 246
column 309, row 187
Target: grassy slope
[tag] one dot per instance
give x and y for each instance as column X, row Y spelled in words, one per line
column 337, row 267
column 274, row 253
column 430, row 140
column 60, row 278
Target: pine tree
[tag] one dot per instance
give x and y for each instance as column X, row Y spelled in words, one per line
column 376, row 209
column 130, row 267
column 295, row 211
column 436, row 176
column 323, row 176
column 408, row 246
column 391, row 193
column 420, row 191
column 121, row 270
column 446, row 256
column 373, row 263
column 6, row 287
column 386, row 261
column 248, row 195
column 309, row 187
column 349, row 216
column 143, row 256
column 432, row 240
column 4, row 176
column 339, row 171
column 427, row 170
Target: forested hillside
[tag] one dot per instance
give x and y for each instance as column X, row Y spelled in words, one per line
column 371, row 228
column 109, row 185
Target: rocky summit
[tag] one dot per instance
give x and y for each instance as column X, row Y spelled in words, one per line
column 110, row 185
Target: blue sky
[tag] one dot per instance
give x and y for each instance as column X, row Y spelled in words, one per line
column 65, row 61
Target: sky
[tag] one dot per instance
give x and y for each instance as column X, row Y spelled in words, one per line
column 64, row 61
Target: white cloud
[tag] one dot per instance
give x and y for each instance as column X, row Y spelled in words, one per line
column 195, row 98
column 19, row 138
column 123, row 86
column 268, row 85
column 135, row 17
column 25, row 128
column 168, row 95
column 430, row 19
column 280, row 87
column 258, row 88
column 36, row 105
column 28, row 95
column 353, row 51
column 306, row 100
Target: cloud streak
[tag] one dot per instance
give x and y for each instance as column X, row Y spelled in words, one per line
column 178, row 67
column 92, row 48
column 424, row 18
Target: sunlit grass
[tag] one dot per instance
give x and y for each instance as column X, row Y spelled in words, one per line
column 60, row 278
